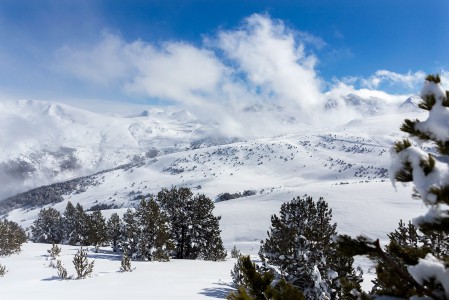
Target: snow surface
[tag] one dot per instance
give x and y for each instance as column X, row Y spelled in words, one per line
column 30, row 277
column 244, row 223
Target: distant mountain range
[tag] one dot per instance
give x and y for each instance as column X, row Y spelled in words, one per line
column 45, row 142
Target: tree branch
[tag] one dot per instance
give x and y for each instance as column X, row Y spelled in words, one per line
column 421, row 289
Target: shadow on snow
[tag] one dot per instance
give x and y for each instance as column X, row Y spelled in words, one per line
column 220, row 292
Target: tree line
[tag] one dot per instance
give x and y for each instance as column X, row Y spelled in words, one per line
column 173, row 224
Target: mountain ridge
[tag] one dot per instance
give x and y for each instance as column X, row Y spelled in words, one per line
column 57, row 142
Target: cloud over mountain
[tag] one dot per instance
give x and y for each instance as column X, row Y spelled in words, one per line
column 258, row 77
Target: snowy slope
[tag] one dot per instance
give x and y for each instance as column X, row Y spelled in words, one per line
column 43, row 142
column 346, row 165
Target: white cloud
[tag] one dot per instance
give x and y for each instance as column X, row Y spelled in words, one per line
column 178, row 72
column 274, row 62
column 257, row 79
column 175, row 71
column 104, row 63
column 260, row 68
column 409, row 80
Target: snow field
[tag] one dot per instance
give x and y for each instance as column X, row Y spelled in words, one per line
column 30, row 277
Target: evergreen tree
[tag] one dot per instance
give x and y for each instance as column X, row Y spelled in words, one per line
column 255, row 283
column 48, row 227
column 405, row 246
column 114, row 231
column 300, row 244
column 206, row 230
column 62, row 272
column 82, row 225
column 154, row 240
column 194, row 228
column 176, row 203
column 415, row 263
column 69, row 222
column 83, row 267
column 54, row 251
column 12, row 236
column 235, row 253
column 125, row 265
column 251, row 281
column 131, row 233
column 2, row 270
column 74, row 224
column 96, row 230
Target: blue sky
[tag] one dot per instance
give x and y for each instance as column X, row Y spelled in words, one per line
column 51, row 49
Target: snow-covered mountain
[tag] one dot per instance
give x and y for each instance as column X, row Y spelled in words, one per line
column 349, row 164
column 411, row 104
column 46, row 142
column 370, row 104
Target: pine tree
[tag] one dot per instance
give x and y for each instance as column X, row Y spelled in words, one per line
column 415, row 263
column 12, row 236
column 206, row 230
column 131, row 233
column 2, row 271
column 82, row 225
column 235, row 253
column 74, row 224
column 404, row 245
column 114, row 231
column 54, row 251
column 96, row 230
column 252, row 282
column 83, row 267
column 125, row 265
column 62, row 272
column 300, row 244
column 176, row 203
column 194, row 228
column 69, row 223
column 48, row 227
column 154, row 242
column 256, row 283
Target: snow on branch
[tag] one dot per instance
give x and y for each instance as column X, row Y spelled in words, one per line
column 431, row 268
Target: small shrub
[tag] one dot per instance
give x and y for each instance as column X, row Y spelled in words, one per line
column 2, row 270
column 235, row 253
column 54, row 251
column 82, row 266
column 52, row 264
column 62, row 272
column 126, row 263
